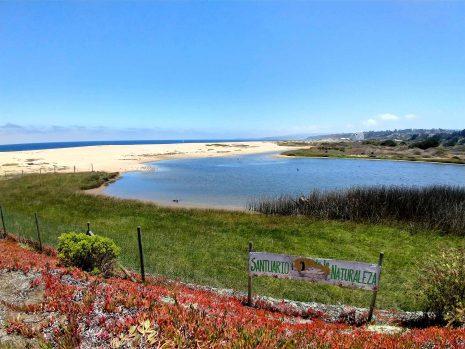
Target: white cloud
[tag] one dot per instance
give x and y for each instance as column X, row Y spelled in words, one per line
column 388, row 118
column 411, row 116
column 370, row 122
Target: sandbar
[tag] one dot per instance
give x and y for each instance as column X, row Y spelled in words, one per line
column 121, row 158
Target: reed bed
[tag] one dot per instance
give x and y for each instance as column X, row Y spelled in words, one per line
column 435, row 207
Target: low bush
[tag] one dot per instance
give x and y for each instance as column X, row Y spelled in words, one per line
column 370, row 142
column 94, row 253
column 388, row 143
column 430, row 142
column 442, row 288
column 98, row 179
column 451, row 142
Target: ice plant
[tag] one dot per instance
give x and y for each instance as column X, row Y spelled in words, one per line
column 83, row 309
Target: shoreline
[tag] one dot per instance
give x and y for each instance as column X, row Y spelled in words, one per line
column 122, row 158
column 99, row 191
column 368, row 158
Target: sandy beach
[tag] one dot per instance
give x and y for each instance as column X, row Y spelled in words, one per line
column 120, row 158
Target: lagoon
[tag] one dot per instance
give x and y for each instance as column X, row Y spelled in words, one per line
column 230, row 182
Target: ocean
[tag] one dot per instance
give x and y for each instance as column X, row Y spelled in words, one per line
column 56, row 145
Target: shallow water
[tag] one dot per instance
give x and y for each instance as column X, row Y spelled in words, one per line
column 229, row 182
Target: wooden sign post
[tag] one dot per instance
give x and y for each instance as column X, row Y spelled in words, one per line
column 141, row 253
column 3, row 222
column 39, row 238
column 249, row 288
column 375, row 291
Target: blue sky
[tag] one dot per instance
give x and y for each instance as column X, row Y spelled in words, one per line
column 80, row 70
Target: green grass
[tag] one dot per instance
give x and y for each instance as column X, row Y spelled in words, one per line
column 209, row 247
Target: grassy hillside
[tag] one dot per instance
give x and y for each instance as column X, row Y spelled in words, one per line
column 209, row 247
column 388, row 150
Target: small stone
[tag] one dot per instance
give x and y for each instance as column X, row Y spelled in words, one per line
column 168, row 300
column 385, row 329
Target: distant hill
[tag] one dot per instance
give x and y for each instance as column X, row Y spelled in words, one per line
column 406, row 134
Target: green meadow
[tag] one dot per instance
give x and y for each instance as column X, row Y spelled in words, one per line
column 209, row 247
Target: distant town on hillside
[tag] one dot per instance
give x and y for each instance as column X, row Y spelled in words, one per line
column 452, row 136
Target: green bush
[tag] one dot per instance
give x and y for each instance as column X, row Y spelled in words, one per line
column 95, row 253
column 370, row 142
column 430, row 142
column 451, row 141
column 389, row 143
column 442, row 286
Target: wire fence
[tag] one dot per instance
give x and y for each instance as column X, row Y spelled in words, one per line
column 7, row 174
column 39, row 230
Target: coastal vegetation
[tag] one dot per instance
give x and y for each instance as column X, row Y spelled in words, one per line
column 443, row 286
column 397, row 134
column 209, row 247
column 91, row 253
column 440, row 208
column 69, row 308
column 443, row 147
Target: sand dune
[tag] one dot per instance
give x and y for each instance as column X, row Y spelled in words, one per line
column 121, row 158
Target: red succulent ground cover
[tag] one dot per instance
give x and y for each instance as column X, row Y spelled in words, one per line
column 86, row 311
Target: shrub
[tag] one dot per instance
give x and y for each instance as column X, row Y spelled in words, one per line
column 442, row 288
column 388, row 143
column 451, row 141
column 370, row 142
column 91, row 253
column 97, row 179
column 430, row 142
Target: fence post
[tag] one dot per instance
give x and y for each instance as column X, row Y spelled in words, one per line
column 141, row 254
column 74, row 168
column 3, row 222
column 375, row 291
column 249, row 286
column 92, row 166
column 38, row 232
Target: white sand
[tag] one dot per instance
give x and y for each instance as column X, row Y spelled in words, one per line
column 120, row 158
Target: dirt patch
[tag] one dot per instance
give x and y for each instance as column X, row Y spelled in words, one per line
column 18, row 291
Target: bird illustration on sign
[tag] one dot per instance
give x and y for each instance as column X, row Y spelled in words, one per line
column 308, row 268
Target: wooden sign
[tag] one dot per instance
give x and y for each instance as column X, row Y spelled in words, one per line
column 329, row 271
column 361, row 275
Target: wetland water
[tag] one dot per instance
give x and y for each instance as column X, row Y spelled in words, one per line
column 229, row 182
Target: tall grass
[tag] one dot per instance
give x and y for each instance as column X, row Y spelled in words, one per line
column 434, row 207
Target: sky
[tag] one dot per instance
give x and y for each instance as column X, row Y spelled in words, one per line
column 168, row 70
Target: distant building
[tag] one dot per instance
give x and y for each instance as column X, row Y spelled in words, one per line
column 359, row 136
